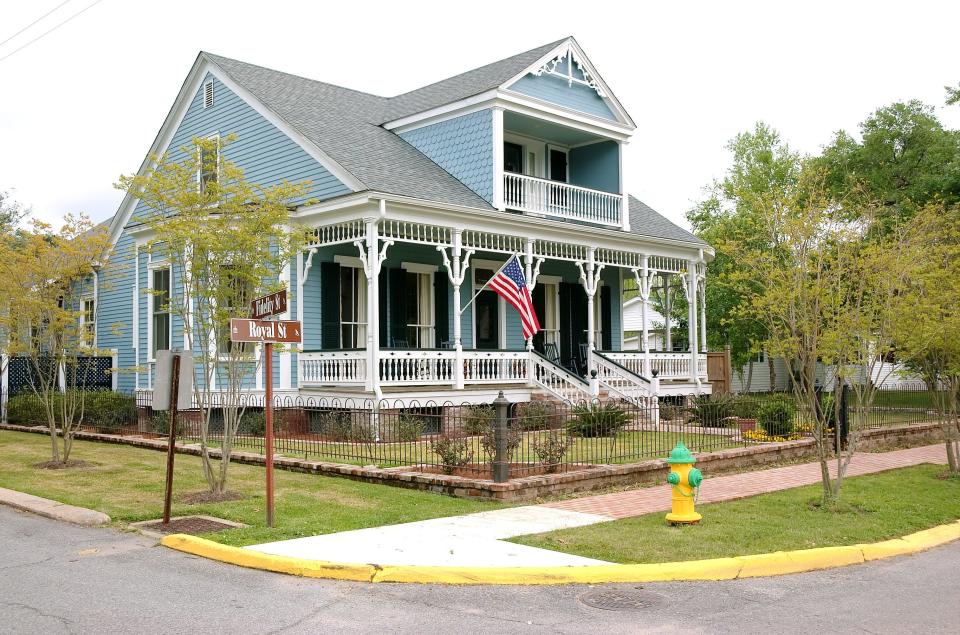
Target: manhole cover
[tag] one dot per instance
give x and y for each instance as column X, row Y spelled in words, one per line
column 620, row 599
column 188, row 525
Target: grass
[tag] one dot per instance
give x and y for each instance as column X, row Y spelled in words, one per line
column 127, row 483
column 628, row 447
column 874, row 507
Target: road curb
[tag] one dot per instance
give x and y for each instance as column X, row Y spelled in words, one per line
column 52, row 509
column 755, row 565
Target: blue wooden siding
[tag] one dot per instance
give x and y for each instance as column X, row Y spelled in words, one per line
column 292, row 300
column 115, row 310
column 556, row 90
column 265, row 154
column 463, row 146
column 596, row 166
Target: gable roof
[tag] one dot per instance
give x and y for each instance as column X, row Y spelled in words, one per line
column 345, row 126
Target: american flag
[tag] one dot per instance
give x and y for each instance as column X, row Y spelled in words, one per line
column 510, row 284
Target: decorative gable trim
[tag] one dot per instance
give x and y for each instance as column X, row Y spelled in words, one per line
column 548, row 63
column 193, row 83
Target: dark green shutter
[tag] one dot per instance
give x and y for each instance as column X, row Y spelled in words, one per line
column 539, row 306
column 606, row 318
column 578, row 322
column 383, row 287
column 398, row 306
column 329, row 305
column 441, row 312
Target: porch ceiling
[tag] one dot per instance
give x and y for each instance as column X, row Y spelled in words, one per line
column 541, row 129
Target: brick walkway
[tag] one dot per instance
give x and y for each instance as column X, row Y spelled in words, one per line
column 722, row 488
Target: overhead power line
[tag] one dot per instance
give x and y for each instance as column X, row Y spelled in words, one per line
column 34, row 22
column 48, row 31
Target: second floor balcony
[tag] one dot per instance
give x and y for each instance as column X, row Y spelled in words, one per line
column 561, row 172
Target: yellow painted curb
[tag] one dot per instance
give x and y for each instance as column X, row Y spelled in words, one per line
column 756, row 565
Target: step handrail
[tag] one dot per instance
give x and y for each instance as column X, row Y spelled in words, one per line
column 639, row 382
column 578, row 384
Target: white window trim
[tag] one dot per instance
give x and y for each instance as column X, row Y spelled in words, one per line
column 417, row 267
column 546, row 159
column 429, row 270
column 88, row 297
column 151, row 268
column 348, row 261
column 213, row 136
column 352, row 262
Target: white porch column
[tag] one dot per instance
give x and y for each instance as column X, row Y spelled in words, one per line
column 691, row 287
column 644, row 279
column 456, row 272
column 531, row 273
column 590, row 280
column 668, row 309
column 372, row 254
column 702, row 288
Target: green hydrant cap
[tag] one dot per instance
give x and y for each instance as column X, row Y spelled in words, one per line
column 680, row 454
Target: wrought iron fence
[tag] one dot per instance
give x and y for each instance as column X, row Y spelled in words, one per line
column 534, row 437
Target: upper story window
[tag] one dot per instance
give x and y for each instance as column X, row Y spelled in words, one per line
column 209, row 169
column 88, row 321
column 238, row 296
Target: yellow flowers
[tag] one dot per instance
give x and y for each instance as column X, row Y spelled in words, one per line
column 762, row 437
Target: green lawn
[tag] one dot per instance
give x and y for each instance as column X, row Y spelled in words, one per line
column 628, row 447
column 878, row 507
column 127, row 483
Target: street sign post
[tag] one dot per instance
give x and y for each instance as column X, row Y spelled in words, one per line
column 173, row 391
column 268, row 332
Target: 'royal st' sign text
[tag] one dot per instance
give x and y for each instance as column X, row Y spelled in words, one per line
column 243, row 330
column 269, row 305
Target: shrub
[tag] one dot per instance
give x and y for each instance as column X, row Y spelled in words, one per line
column 478, row 419
column 746, row 407
column 108, row 411
column 489, row 442
column 338, row 425
column 711, row 410
column 535, row 415
column 254, row 423
column 160, row 423
column 453, row 452
column 410, row 427
column 597, row 420
column 777, row 416
column 26, row 410
column 670, row 411
column 550, row 449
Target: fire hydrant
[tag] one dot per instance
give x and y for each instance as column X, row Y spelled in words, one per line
column 685, row 480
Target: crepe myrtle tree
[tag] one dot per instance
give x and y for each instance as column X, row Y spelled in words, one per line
column 927, row 340
column 48, row 315
column 227, row 241
column 824, row 294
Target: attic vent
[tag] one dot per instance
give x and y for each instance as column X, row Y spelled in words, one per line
column 208, row 94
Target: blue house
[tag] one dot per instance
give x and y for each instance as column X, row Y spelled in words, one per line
column 416, row 201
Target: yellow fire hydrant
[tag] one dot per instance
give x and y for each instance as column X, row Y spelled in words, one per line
column 685, row 480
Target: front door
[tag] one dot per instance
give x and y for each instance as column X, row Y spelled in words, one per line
column 486, row 314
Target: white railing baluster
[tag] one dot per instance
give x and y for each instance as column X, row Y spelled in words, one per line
column 541, row 196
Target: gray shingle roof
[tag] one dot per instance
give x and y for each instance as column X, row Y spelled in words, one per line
column 646, row 221
column 346, row 125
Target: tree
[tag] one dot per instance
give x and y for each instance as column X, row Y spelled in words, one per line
column 953, row 95
column 928, row 341
column 227, row 241
column 764, row 168
column 44, row 278
column 824, row 295
column 904, row 160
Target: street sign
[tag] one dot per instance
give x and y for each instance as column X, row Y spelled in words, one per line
column 269, row 331
column 269, row 305
column 162, row 379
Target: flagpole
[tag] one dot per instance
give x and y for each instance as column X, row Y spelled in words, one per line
column 484, row 286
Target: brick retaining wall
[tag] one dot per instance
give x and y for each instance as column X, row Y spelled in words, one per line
column 533, row 487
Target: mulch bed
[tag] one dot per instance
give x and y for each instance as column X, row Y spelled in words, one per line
column 189, row 525
column 209, row 497
column 60, row 465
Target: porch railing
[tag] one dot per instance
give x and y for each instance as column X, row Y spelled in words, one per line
column 348, row 368
column 620, row 380
column 495, row 367
column 552, row 198
column 417, row 366
column 667, row 365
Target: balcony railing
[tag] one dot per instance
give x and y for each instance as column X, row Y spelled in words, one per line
column 667, row 365
column 552, row 198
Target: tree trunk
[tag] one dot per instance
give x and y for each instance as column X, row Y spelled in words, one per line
column 773, row 373
column 749, row 383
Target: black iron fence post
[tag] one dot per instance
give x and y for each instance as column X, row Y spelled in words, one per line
column 501, row 462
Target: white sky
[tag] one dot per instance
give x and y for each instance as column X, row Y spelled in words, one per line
column 82, row 105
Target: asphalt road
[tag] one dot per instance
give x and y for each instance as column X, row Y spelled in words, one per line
column 60, row 578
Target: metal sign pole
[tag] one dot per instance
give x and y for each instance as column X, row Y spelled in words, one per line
column 174, row 396
column 268, row 416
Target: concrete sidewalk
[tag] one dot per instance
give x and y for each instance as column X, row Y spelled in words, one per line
column 478, row 539
column 52, row 509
